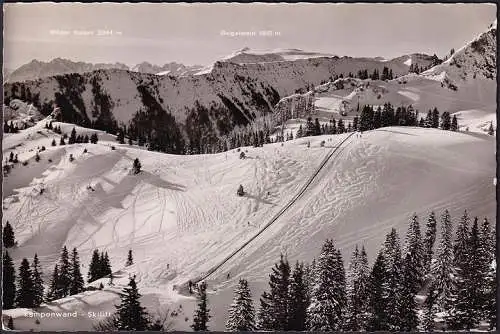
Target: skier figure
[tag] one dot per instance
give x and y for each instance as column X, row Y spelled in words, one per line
column 190, row 287
column 228, row 275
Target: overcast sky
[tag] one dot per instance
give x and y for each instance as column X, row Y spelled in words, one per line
column 191, row 33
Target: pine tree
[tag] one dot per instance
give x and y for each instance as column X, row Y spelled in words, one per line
column 442, row 272
column 460, row 252
column 37, row 282
column 491, row 295
column 54, row 289
column 392, row 256
column 93, row 138
column 137, row 166
column 105, row 264
column 429, row 240
column 265, row 318
column 8, row 282
column 72, row 137
column 357, row 306
column 329, row 300
column 130, row 260
column 201, row 316
column 54, row 142
column 470, row 279
column 130, row 315
column 241, row 312
column 25, row 292
column 435, row 118
column 407, row 304
column 9, row 239
column 454, row 123
column 487, row 244
column 378, row 293
column 279, row 281
column 445, row 121
column 62, row 142
column 64, row 272
column 366, row 119
column 415, row 254
column 298, row 300
column 77, row 283
column 317, row 127
column 94, row 268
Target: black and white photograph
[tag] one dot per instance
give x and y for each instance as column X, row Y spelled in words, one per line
column 233, row 167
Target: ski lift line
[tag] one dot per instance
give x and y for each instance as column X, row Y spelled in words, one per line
column 277, row 215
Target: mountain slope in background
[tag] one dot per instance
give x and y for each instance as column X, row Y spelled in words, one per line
column 39, row 69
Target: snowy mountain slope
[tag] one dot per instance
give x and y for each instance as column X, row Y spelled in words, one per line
column 181, row 215
column 477, row 59
column 247, row 55
column 243, row 90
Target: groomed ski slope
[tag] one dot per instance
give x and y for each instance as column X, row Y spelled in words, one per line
column 181, row 215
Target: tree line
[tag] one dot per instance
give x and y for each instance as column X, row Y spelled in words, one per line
column 66, row 278
column 456, row 278
column 386, row 115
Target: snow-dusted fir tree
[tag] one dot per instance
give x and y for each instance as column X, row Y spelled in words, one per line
column 414, row 257
column 54, row 292
column 25, row 293
column 328, row 302
column 298, row 300
column 429, row 240
column 393, row 261
column 130, row 315
column 38, row 289
column 279, row 282
column 488, row 249
column 460, row 252
column 442, row 272
column 407, row 303
column 76, row 285
column 265, row 319
column 469, row 301
column 65, row 270
column 378, row 293
column 241, row 312
column 309, row 271
column 201, row 315
column 357, row 280
column 8, row 282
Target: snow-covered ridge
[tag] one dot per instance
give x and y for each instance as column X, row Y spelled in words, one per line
column 476, row 59
column 38, row 69
column 247, row 55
